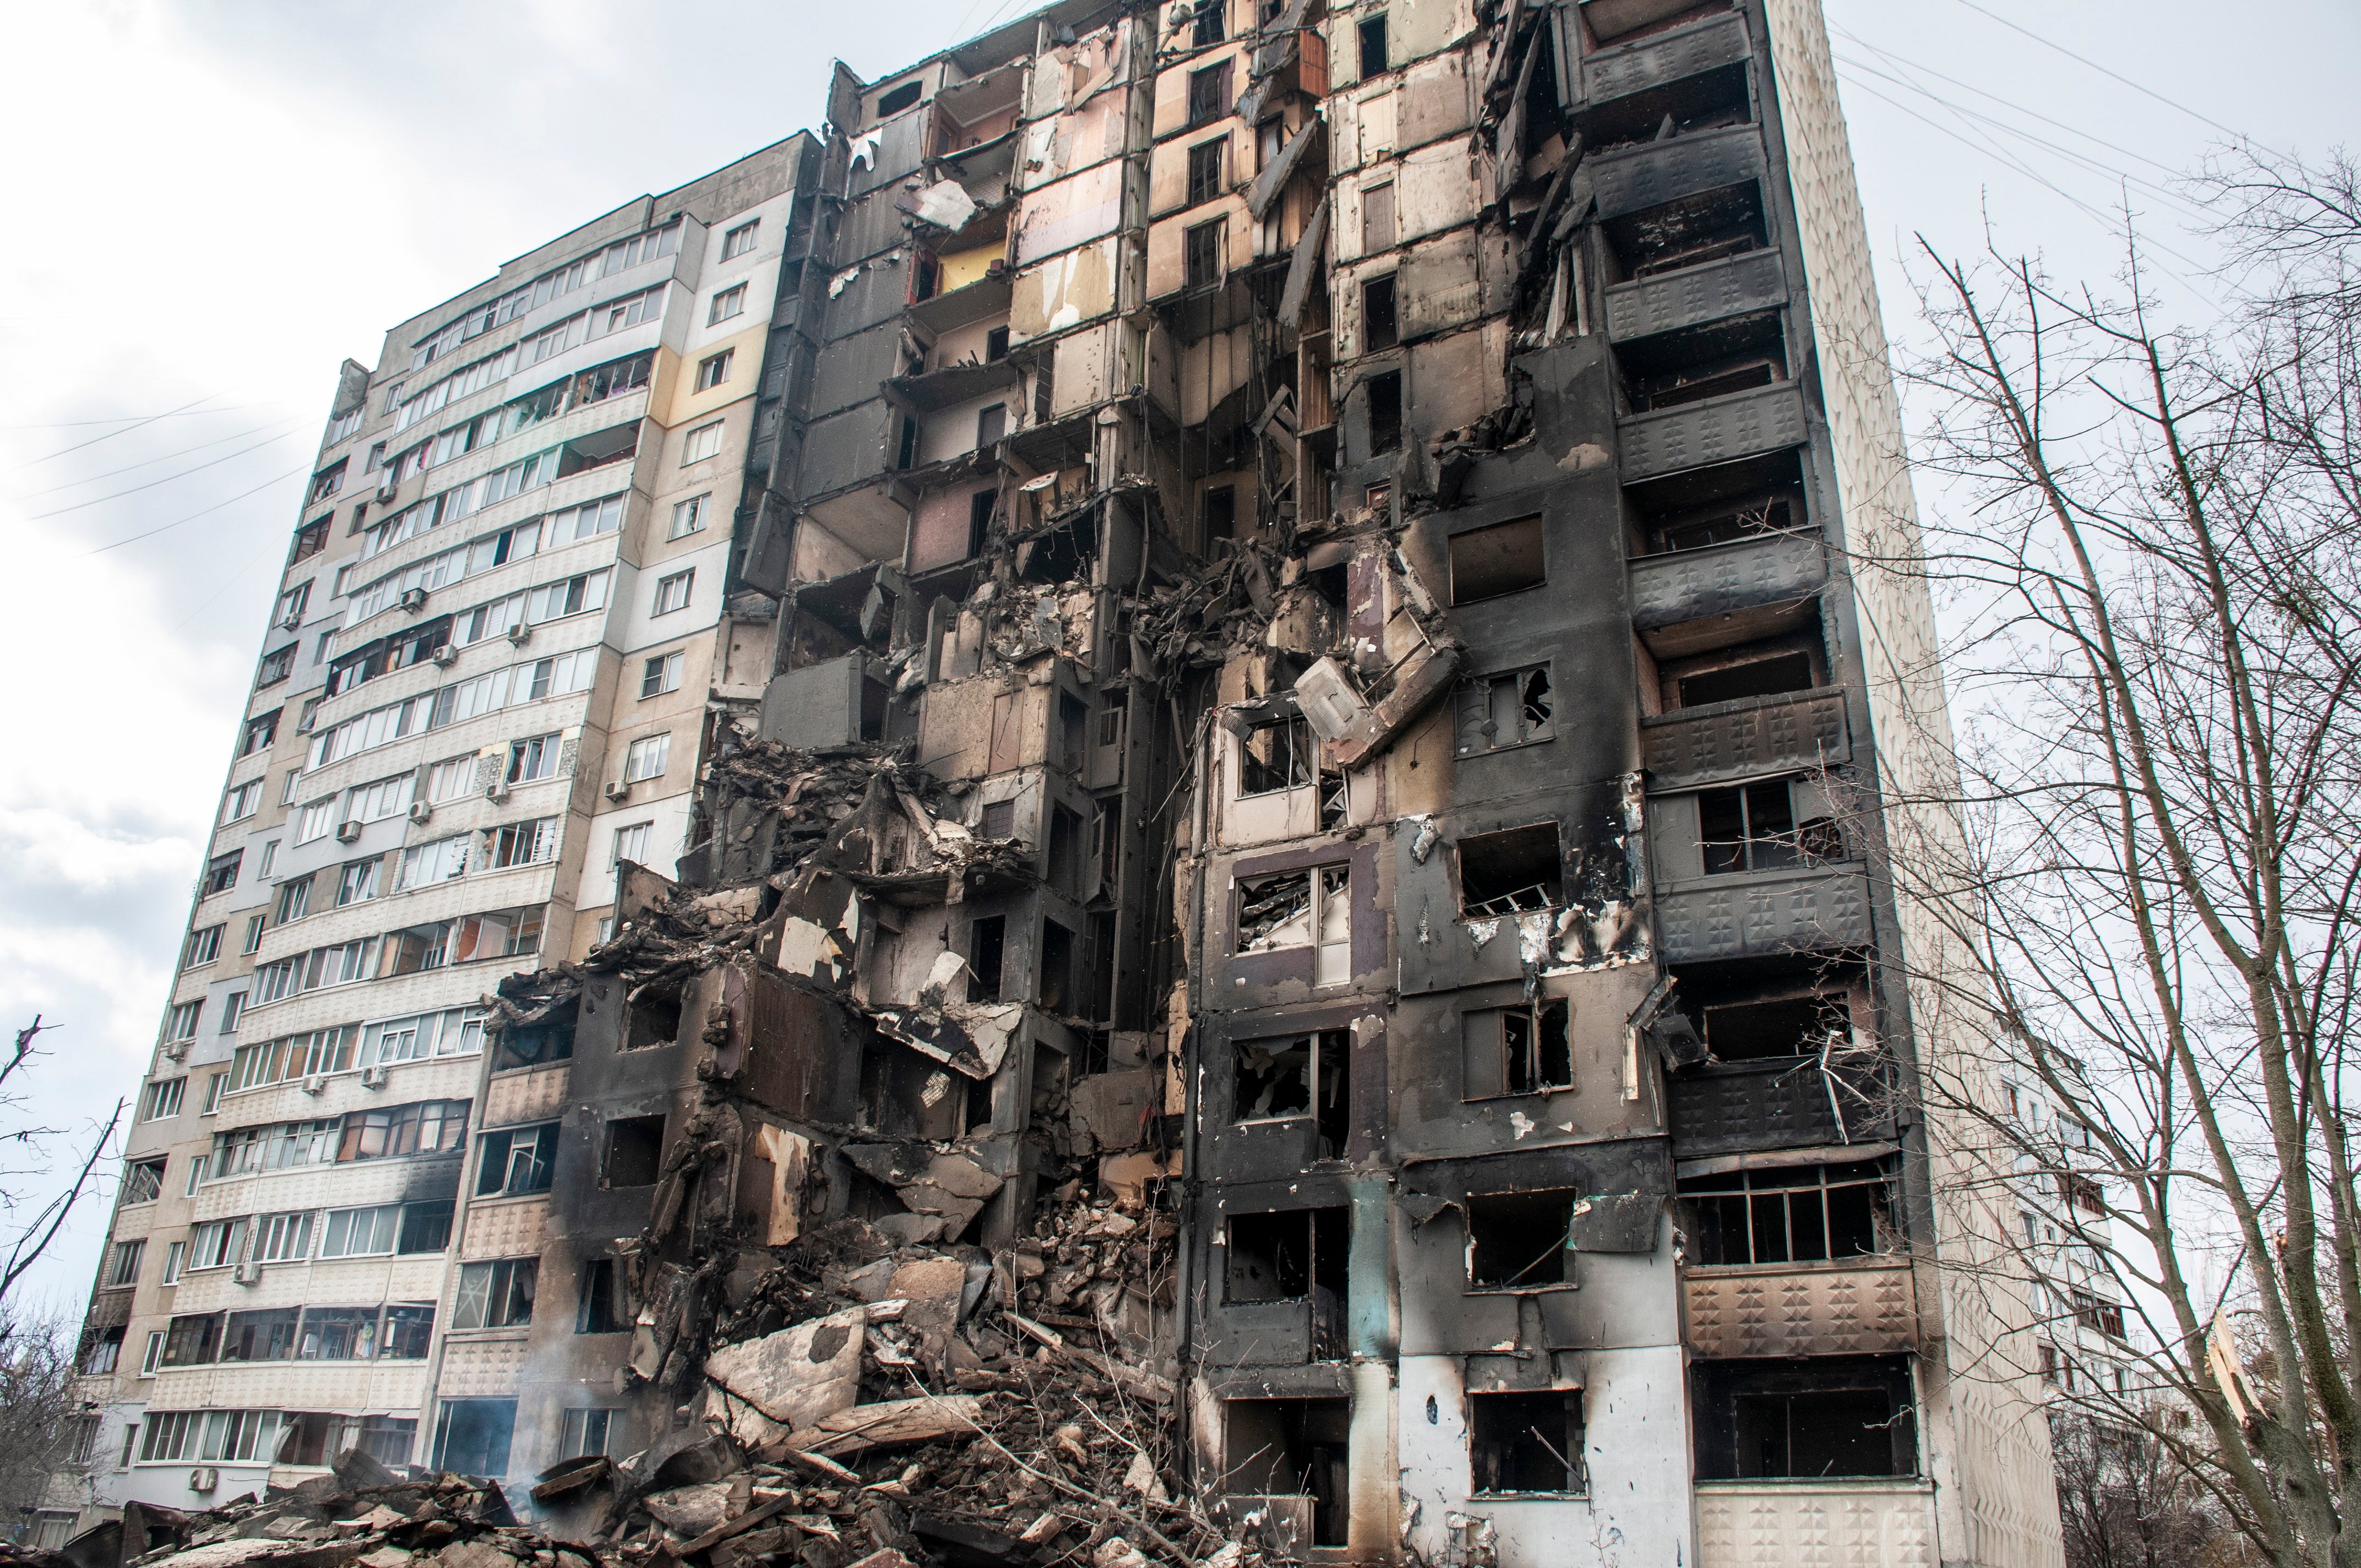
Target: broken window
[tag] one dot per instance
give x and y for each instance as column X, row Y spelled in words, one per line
column 142, row 1181
column 1065, row 851
column 991, row 425
column 495, row 1295
column 1374, row 61
column 979, row 518
column 472, row 1437
column 1515, row 871
column 1808, row 1213
column 893, row 101
column 1776, row 1027
column 1516, row 1050
column 1725, row 525
column 1207, row 30
column 1279, row 911
column 190, row 1340
column 1678, row 388
column 1807, row 1419
column 1209, row 94
column 1221, row 513
column 1517, row 1241
column 1504, row 558
column 1288, row 1256
column 1385, row 412
column 337, row 1333
column 634, row 1152
column 1379, row 323
column 1513, row 707
column 654, row 1018
column 987, row 942
column 1057, row 992
column 425, row 1227
column 1525, row 1442
column 1202, row 254
column 535, row 1044
column 1291, row 1076
column 1292, row 1448
column 1276, row 754
column 517, row 1160
column 595, row 1311
column 1206, row 160
column 1756, row 678
column 1073, row 733
column 1752, row 827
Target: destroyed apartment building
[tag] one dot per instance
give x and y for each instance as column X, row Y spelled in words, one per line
column 1133, row 811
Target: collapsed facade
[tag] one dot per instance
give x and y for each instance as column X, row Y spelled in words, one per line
column 1285, row 815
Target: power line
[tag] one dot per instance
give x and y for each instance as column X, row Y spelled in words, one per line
column 2072, row 200
column 2118, row 75
column 111, row 434
column 2094, row 165
column 117, row 495
column 194, row 515
column 127, row 419
column 286, row 428
column 1901, row 60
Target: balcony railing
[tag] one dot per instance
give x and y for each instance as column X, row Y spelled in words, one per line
column 1868, row 1308
column 1764, row 914
column 1718, row 430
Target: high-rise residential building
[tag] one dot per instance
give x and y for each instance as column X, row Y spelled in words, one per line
column 1282, row 613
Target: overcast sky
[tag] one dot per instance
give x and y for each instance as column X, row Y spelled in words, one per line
column 214, row 204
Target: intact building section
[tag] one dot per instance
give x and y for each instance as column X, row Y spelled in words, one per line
column 1228, row 636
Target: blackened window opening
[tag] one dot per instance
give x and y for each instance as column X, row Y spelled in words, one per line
column 1380, row 325
column 1288, row 1256
column 1777, row 1026
column 1221, row 513
column 1207, row 30
column 1516, row 1241
column 1209, row 94
column 979, row 518
column 1525, row 1442
column 1758, row 677
column 1513, row 707
column 1373, row 48
column 1206, row 163
column 1518, row 1050
column 1056, row 991
column 1385, row 411
column 1202, row 254
column 1817, row 1419
column 987, row 941
column 1276, row 754
column 1515, row 871
column 595, row 1311
column 1812, row 1213
column 1752, row 827
column 655, row 1020
column 1292, row 1448
column 634, row 1151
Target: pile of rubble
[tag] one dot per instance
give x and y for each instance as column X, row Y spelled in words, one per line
column 865, row 1405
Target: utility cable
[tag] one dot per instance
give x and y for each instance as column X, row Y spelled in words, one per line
column 2116, row 75
column 111, row 434
column 286, row 428
column 126, row 419
column 117, row 495
column 194, row 515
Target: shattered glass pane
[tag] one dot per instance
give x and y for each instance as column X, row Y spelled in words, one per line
column 1275, row 756
column 1275, row 911
column 1274, row 1077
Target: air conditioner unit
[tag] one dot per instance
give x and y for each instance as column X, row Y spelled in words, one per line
column 203, row 1479
column 413, row 599
column 619, row 789
column 178, row 1050
column 291, row 619
column 419, row 811
column 373, row 1076
column 248, row 1273
column 315, row 1084
column 497, row 793
column 348, row 832
column 519, row 634
column 447, row 655
column 387, row 491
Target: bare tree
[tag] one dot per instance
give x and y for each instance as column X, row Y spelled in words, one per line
column 2153, row 583
column 2123, row 1502
column 31, row 1232
column 44, row 1429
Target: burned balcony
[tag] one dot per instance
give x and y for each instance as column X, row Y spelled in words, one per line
column 1815, row 1420
column 1667, row 205
column 1739, row 588
column 1745, row 423
column 1666, row 310
column 930, row 392
column 1692, row 73
column 1290, row 1460
column 1780, row 1102
column 1741, row 739
column 1796, row 1259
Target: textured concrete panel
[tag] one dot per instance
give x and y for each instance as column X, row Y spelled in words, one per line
column 1803, row 1310
column 1793, row 1525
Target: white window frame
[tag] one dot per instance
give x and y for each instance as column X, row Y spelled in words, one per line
column 728, row 303
column 647, row 757
column 675, row 591
column 700, row 443
column 661, row 675
column 688, row 516
column 742, row 240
